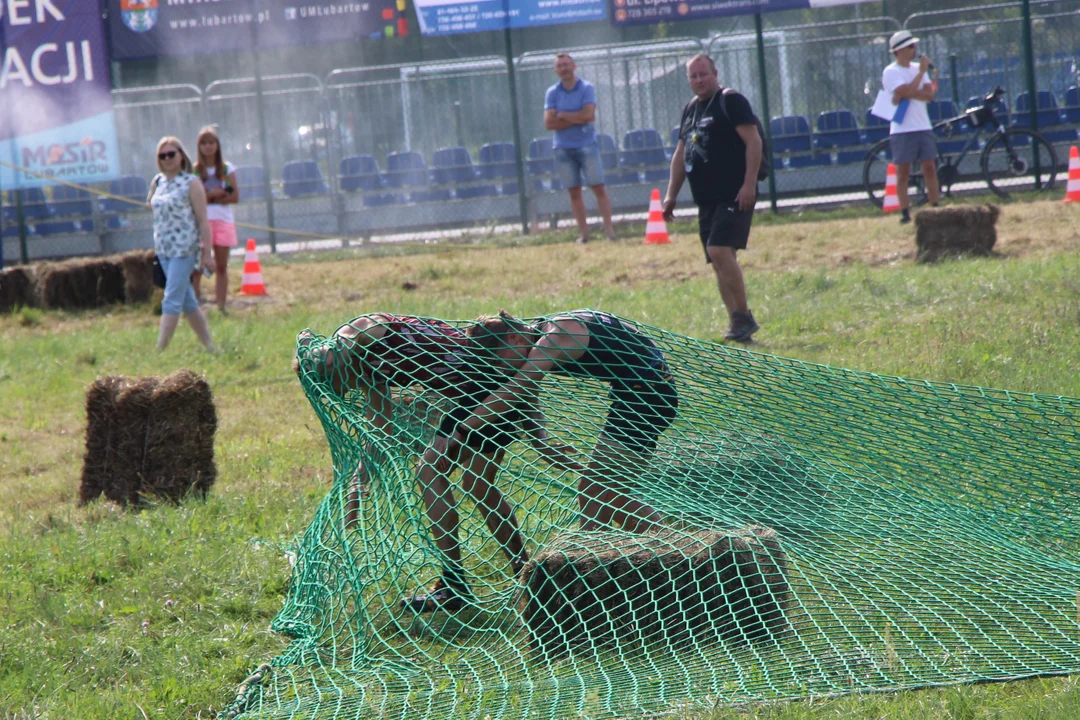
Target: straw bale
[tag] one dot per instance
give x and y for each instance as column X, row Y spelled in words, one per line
column 16, row 288
column 955, row 231
column 596, row 589
column 138, row 266
column 149, row 437
column 81, row 283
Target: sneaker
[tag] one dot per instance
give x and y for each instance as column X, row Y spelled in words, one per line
column 582, row 240
column 743, row 326
column 441, row 596
column 905, row 216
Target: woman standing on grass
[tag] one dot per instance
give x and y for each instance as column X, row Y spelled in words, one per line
column 181, row 239
column 219, row 179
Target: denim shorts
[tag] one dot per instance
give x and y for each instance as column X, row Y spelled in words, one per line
column 912, row 147
column 179, row 295
column 579, row 166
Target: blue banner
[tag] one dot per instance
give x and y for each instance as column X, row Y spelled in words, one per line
column 153, row 28
column 648, row 12
column 56, row 115
column 450, row 17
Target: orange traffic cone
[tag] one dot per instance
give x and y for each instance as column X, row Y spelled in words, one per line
column 252, row 283
column 656, row 228
column 1072, row 189
column 892, row 200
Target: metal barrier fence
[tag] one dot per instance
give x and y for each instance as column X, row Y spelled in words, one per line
column 388, row 151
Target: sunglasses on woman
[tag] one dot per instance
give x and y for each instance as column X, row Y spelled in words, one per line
column 169, row 155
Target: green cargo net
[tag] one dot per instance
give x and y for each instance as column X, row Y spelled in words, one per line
column 820, row 532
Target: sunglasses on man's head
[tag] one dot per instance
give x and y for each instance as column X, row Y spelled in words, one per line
column 169, row 155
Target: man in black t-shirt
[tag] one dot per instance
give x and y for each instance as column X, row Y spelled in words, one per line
column 719, row 150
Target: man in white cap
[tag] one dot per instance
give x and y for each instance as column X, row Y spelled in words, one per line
column 912, row 137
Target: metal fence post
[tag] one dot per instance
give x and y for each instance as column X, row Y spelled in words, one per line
column 1033, row 98
column 263, row 144
column 764, row 84
column 20, row 217
column 519, row 164
column 955, row 80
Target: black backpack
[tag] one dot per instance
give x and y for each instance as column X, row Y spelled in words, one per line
column 766, row 165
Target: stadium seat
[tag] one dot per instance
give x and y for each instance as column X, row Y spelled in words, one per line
column 359, row 172
column 452, row 168
column 408, row 171
column 497, row 161
column 609, row 160
column 837, row 129
column 848, row 157
column 302, row 177
column 790, row 133
column 35, row 206
column 540, row 164
column 1071, row 106
column 939, row 110
column 252, row 182
column 874, row 128
column 644, row 150
column 71, row 202
column 57, row 227
column 133, row 187
column 808, row 160
column 1048, row 114
column 674, row 138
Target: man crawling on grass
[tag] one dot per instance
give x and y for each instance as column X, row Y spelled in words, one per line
column 374, row 352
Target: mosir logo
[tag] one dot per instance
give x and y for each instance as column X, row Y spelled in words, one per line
column 139, row 15
column 87, row 157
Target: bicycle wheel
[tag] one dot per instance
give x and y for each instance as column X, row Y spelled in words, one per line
column 875, row 167
column 1010, row 159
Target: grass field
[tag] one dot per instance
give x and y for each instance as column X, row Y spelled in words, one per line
column 158, row 614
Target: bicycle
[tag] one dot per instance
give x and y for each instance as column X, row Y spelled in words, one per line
column 1012, row 159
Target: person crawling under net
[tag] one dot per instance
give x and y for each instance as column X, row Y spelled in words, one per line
column 589, row 344
column 375, row 352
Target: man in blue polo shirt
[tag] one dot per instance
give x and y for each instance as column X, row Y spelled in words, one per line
column 570, row 111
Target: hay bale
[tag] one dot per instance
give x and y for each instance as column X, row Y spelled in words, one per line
column 955, row 231
column 138, row 267
column 149, row 437
column 595, row 589
column 81, row 283
column 17, row 288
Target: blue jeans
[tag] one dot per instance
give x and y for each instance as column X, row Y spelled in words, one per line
column 179, row 295
column 580, row 166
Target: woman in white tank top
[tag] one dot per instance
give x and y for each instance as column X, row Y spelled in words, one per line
column 221, row 195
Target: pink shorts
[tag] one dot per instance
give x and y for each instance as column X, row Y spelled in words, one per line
column 223, row 232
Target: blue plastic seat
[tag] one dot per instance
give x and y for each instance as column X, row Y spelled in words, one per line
column 836, row 129
column 1071, row 106
column 359, row 172
column 644, row 150
column 609, row 160
column 497, row 161
column 540, row 164
column 674, row 137
column 133, row 187
column 939, row 110
column 35, row 206
column 790, row 133
column 874, row 128
column 809, row 160
column 849, row 157
column 453, row 167
column 302, row 177
column 57, row 227
column 251, row 180
column 1050, row 117
column 408, row 171
column 72, row 202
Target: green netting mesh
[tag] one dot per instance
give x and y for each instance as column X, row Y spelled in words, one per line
column 822, row 531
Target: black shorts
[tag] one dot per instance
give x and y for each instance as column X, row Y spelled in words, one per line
column 492, row 436
column 724, row 225
column 640, row 411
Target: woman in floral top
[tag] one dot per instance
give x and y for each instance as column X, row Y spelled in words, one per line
column 182, row 239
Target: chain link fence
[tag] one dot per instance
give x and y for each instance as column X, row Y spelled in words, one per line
column 430, row 149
